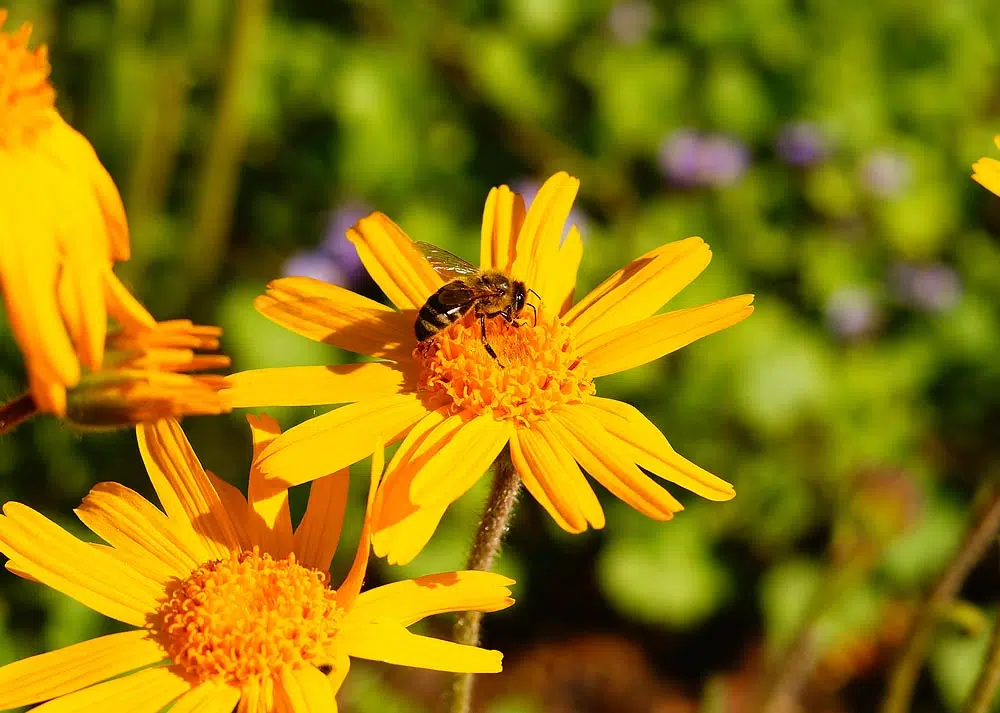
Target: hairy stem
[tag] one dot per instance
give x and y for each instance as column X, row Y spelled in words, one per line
column 14, row 413
column 489, row 536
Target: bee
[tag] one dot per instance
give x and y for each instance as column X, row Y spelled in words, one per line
column 489, row 293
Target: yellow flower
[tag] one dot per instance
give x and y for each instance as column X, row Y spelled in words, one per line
column 986, row 171
column 62, row 225
column 232, row 606
column 456, row 408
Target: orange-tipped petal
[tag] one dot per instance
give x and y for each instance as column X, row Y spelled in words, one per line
column 502, row 220
column 316, row 385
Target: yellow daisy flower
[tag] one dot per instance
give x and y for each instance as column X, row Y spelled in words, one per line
column 986, row 171
column 62, row 225
column 456, row 408
column 231, row 605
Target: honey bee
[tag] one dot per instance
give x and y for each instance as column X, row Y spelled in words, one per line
column 489, row 293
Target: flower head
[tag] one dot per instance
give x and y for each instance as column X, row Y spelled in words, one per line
column 456, row 408
column 62, row 225
column 801, row 143
column 986, row 171
column 688, row 158
column 223, row 590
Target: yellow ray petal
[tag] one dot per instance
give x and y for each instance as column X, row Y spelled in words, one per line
column 316, row 537
column 235, row 504
column 96, row 579
column 327, row 443
column 270, row 520
column 328, row 313
column 124, row 307
column 392, row 260
column 184, row 490
column 57, row 673
column 258, row 697
column 986, row 171
column 316, row 385
column 351, row 586
column 304, row 690
column 208, row 697
column 129, row 522
column 144, row 692
column 562, row 282
column 611, row 465
column 636, row 344
column 650, row 449
column 538, row 241
column 405, row 538
column 392, row 643
column 640, row 289
column 502, row 220
column 411, row 600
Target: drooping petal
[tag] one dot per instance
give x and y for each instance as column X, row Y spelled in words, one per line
column 351, row 586
column 561, row 285
column 402, row 539
column 538, row 241
column 630, row 346
column 124, row 307
column 304, row 689
column 502, row 220
column 327, row 443
column 411, row 600
column 269, row 519
column 96, row 579
column 328, row 313
column 184, row 490
column 316, row 385
column 315, row 539
column 650, row 449
column 56, row 673
column 392, row 643
column 611, row 465
column 144, row 692
column 640, row 289
column 392, row 260
column 208, row 697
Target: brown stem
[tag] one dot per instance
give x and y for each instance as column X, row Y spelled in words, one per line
column 14, row 413
column 983, row 695
column 489, row 536
column 977, row 538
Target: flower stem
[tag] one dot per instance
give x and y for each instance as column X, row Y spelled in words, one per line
column 977, row 538
column 983, row 695
column 492, row 526
column 14, row 413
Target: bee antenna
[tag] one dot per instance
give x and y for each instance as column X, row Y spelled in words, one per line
column 535, row 293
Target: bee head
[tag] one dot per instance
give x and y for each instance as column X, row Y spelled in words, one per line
column 520, row 294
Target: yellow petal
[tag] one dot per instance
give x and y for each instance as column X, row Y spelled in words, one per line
column 235, row 504
column 331, row 314
column 640, row 289
column 208, row 697
column 304, row 690
column 392, row 260
column 258, row 697
column 316, row 537
column 63, row 671
column 651, row 450
column 538, row 241
column 351, row 586
column 986, row 172
column 404, row 538
column 392, row 643
column 411, row 600
column 124, row 307
column 502, row 220
column 611, row 465
column 562, row 282
column 316, row 385
column 327, row 443
column 148, row 691
column 270, row 520
column 184, row 490
column 96, row 579
column 130, row 523
column 636, row 344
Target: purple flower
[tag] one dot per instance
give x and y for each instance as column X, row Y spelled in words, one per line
column 801, row 143
column 528, row 189
column 723, row 160
column 886, row 173
column 630, row 21
column 932, row 288
column 315, row 264
column 335, row 260
column 691, row 159
column 851, row 313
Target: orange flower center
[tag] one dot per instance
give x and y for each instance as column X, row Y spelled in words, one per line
column 26, row 97
column 248, row 617
column 537, row 368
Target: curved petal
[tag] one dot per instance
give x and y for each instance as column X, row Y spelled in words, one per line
column 538, row 241
column 316, row 385
column 502, row 220
column 269, row 519
column 72, row 668
column 327, row 443
column 392, row 260
column 328, row 313
column 96, row 579
column 392, row 643
column 636, row 344
column 315, row 539
column 411, row 600
column 650, row 449
column 351, row 586
column 304, row 690
column 562, row 282
column 208, row 697
column 148, row 691
column 236, row 505
column 184, row 490
column 640, row 289
column 124, row 307
column 401, row 540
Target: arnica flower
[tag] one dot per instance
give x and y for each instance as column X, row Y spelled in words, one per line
column 231, row 605
column 62, row 225
column 986, row 171
column 456, row 408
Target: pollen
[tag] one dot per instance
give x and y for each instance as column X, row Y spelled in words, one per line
column 26, row 96
column 537, row 369
column 247, row 617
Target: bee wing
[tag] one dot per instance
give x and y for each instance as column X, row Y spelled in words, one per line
column 446, row 264
column 457, row 293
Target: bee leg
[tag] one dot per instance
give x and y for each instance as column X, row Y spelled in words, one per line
column 534, row 312
column 510, row 320
column 486, row 342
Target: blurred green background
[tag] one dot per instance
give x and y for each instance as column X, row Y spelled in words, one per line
column 822, row 148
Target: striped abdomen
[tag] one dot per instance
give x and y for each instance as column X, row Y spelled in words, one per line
column 435, row 316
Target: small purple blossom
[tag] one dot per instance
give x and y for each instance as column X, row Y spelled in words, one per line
column 801, row 143
column 932, row 288
column 335, row 260
column 315, row 264
column 886, row 173
column 630, row 21
column 688, row 158
column 851, row 313
column 527, row 188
